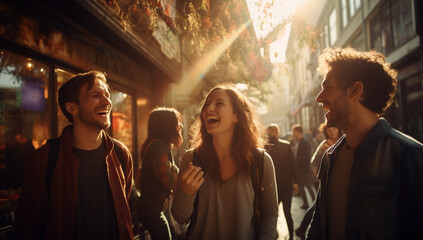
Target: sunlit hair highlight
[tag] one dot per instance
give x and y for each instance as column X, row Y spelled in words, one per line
column 248, row 132
column 349, row 66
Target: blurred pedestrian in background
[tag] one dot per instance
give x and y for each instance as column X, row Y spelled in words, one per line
column 158, row 173
column 331, row 134
column 311, row 138
column 283, row 160
column 219, row 196
column 302, row 151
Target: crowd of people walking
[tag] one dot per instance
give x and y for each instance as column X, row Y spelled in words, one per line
column 365, row 179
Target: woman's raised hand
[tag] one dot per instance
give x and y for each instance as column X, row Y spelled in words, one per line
column 191, row 179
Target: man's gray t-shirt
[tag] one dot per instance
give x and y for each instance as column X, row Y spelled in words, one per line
column 95, row 211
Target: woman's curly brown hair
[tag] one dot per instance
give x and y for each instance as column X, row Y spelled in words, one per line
column 248, row 132
column 348, row 66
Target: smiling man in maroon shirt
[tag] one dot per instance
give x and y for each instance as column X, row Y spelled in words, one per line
column 90, row 185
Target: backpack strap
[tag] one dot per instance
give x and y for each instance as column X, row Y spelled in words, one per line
column 256, row 175
column 197, row 161
column 54, row 145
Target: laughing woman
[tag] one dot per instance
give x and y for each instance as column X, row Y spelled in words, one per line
column 218, row 198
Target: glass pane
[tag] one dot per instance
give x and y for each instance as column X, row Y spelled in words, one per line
column 402, row 21
column 62, row 76
column 326, row 30
column 386, row 33
column 122, row 117
column 344, row 13
column 332, row 27
column 408, row 24
column 352, row 8
column 24, row 117
column 357, row 4
column 374, row 34
column 358, row 42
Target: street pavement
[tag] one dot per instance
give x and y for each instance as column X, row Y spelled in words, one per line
column 297, row 217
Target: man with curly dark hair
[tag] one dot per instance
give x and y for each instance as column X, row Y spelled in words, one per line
column 372, row 178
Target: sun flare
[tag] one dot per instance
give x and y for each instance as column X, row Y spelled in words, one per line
column 266, row 15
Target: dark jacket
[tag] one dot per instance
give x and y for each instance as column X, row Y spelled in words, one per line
column 385, row 193
column 158, row 176
column 303, row 156
column 59, row 215
column 283, row 160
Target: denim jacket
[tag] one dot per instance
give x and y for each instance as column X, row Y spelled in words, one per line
column 385, row 193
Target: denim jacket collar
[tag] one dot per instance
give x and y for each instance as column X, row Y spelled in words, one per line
column 369, row 143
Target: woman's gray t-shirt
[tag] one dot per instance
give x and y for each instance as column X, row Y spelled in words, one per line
column 225, row 210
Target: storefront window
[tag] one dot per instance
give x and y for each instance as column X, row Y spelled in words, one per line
column 122, row 117
column 24, row 117
column 62, row 76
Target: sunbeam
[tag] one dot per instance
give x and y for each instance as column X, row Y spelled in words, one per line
column 205, row 63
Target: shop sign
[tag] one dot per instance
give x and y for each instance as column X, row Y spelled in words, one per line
column 168, row 40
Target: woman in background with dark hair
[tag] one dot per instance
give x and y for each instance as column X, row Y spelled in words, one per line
column 332, row 134
column 159, row 172
column 225, row 137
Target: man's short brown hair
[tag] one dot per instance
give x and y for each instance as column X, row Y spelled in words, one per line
column 349, row 66
column 70, row 90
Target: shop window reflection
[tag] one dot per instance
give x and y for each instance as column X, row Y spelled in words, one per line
column 24, row 116
column 122, row 117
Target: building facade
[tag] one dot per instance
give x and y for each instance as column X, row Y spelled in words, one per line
column 45, row 43
column 393, row 27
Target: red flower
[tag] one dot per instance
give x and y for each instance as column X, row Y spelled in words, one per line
column 207, row 22
column 167, row 10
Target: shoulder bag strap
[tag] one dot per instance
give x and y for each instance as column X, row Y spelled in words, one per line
column 256, row 175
